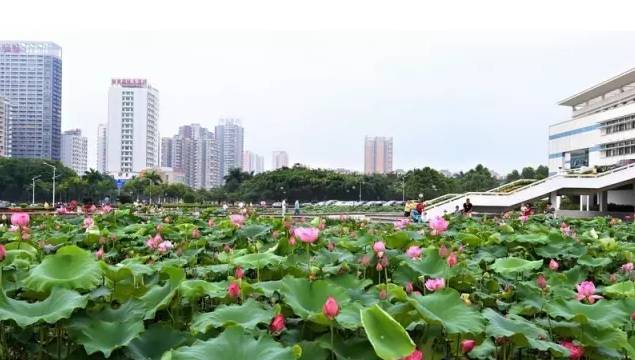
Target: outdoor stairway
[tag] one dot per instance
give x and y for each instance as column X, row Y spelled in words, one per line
column 494, row 199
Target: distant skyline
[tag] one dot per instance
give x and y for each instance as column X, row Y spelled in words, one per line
column 450, row 100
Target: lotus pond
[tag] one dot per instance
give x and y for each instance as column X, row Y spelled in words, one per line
column 194, row 286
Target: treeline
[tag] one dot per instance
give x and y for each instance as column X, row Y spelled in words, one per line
column 296, row 183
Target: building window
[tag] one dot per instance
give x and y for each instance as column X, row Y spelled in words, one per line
column 579, row 158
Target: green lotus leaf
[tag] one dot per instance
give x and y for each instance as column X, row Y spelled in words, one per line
column 603, row 314
column 389, row 339
column 71, row 267
column 431, row 265
column 233, row 344
column 158, row 297
column 60, row 304
column 349, row 317
column 398, row 240
column 307, row 298
column 469, row 239
column 268, row 287
column 253, row 231
column 511, row 265
column 156, row 340
column 561, row 248
column 247, row 315
column 625, row 289
column 589, row 261
column 262, row 260
column 522, row 332
column 196, row 289
column 530, row 238
column 448, row 309
column 97, row 335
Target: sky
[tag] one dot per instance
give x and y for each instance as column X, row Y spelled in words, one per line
column 314, row 80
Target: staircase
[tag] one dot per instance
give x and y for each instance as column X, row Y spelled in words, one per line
column 583, row 183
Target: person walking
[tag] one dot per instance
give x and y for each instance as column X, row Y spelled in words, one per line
column 284, row 207
column 296, row 208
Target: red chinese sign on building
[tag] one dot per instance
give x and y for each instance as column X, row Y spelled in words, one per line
column 130, row 82
column 10, row 48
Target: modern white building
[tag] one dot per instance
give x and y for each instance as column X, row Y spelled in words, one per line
column 229, row 135
column 74, row 151
column 133, row 127
column 253, row 162
column 279, row 160
column 102, row 148
column 601, row 130
column 4, row 126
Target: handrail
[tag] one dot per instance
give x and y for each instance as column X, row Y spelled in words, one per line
column 509, row 184
column 534, row 184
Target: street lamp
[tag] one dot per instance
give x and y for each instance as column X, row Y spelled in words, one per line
column 360, row 190
column 54, row 169
column 33, row 189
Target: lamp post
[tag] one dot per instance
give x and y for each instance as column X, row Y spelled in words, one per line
column 54, row 169
column 33, row 189
column 360, row 190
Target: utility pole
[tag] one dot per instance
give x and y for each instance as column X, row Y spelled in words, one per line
column 360, row 190
column 33, row 189
column 54, row 169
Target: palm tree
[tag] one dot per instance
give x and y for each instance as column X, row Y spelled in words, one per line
column 153, row 177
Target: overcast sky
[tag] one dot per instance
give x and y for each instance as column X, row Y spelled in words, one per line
column 450, row 99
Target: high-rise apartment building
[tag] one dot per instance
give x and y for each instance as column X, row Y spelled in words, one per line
column 74, row 151
column 102, row 148
column 229, row 139
column 167, row 145
column 193, row 152
column 280, row 159
column 31, row 79
column 133, row 127
column 253, row 162
column 4, row 126
column 378, row 154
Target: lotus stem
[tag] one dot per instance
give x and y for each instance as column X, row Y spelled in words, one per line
column 308, row 263
column 332, row 346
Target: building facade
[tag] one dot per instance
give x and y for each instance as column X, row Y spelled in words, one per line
column 253, row 162
column 133, row 127
column 167, row 145
column 75, row 151
column 4, row 126
column 279, row 159
column 31, row 80
column 102, row 148
column 601, row 130
column 378, row 154
column 229, row 135
column 193, row 152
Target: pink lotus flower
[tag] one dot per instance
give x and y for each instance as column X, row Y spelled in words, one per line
column 364, row 261
column 467, row 345
column 277, row 324
column 196, row 233
column 414, row 252
column 401, row 223
column 88, row 222
column 553, row 265
column 237, row 220
column 565, row 229
column 438, row 225
column 210, row 222
column 307, row 235
column 575, row 352
column 99, row 254
column 452, row 259
column 233, row 290
column 165, row 246
column 239, row 272
column 633, row 316
column 379, row 247
column 292, row 240
column 541, row 282
column 3, row 252
column 435, row 284
column 106, row 209
column 61, row 211
column 153, row 242
column 586, row 291
column 331, row 309
column 330, row 246
column 20, row 219
column 523, row 218
column 628, row 267
column 416, row 355
column 409, row 287
column 443, row 251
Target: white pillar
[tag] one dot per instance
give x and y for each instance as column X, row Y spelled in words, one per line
column 603, row 200
column 588, row 200
column 581, row 202
column 555, row 200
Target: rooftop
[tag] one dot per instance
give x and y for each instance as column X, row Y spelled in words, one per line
column 600, row 89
